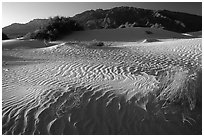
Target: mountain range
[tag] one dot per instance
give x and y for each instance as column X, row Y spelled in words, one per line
column 17, row 30
column 120, row 17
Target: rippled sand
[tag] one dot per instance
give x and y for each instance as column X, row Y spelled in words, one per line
column 76, row 88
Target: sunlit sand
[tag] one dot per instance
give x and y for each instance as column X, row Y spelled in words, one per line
column 136, row 83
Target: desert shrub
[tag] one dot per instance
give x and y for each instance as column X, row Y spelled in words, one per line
column 99, row 44
column 57, row 27
column 151, row 40
column 4, row 36
column 148, row 32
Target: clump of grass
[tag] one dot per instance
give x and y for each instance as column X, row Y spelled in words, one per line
column 178, row 87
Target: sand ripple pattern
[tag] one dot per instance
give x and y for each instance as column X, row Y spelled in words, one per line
column 77, row 89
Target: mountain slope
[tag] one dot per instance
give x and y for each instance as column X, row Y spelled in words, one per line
column 120, row 17
column 18, row 30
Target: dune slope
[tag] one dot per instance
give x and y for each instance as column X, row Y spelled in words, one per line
column 123, row 34
column 74, row 88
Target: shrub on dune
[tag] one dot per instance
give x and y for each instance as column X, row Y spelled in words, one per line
column 4, row 36
column 96, row 43
column 57, row 27
column 99, row 44
column 151, row 40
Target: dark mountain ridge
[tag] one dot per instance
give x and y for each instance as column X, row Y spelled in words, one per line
column 120, row 17
column 137, row 17
column 17, row 30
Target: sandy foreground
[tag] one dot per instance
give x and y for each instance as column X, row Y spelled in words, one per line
column 120, row 88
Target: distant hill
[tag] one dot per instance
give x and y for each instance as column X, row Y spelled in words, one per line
column 121, row 17
column 18, row 30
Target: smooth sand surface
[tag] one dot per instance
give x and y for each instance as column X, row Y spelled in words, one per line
column 196, row 34
column 23, row 44
column 128, row 88
column 123, row 34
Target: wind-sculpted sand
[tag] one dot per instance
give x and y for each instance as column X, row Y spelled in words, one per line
column 76, row 88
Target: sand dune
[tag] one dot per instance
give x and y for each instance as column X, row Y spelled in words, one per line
column 22, row 44
column 196, row 34
column 123, row 34
column 133, row 88
column 108, row 35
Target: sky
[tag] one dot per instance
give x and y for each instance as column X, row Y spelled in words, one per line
column 23, row 12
